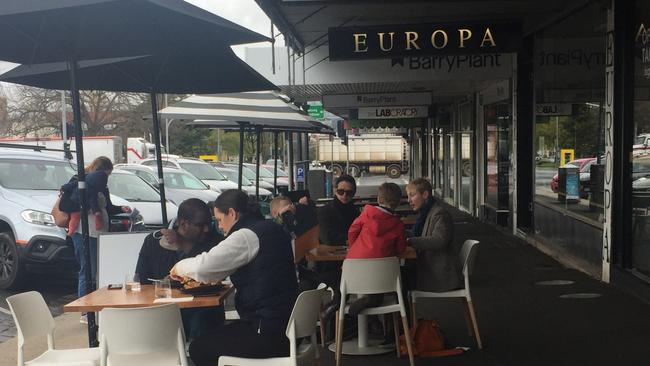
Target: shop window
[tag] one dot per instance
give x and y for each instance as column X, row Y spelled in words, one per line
column 641, row 148
column 569, row 123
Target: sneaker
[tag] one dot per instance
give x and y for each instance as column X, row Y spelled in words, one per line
column 84, row 319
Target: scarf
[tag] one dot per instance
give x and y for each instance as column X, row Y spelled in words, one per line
column 422, row 217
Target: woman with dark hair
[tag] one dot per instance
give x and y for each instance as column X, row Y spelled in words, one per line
column 336, row 217
column 257, row 256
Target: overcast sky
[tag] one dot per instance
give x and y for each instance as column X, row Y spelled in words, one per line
column 243, row 12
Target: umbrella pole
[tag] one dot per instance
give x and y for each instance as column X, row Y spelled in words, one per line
column 275, row 162
column 81, row 174
column 241, row 155
column 291, row 161
column 156, row 137
column 258, row 133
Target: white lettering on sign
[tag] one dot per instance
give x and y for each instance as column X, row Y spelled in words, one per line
column 393, row 112
column 553, row 109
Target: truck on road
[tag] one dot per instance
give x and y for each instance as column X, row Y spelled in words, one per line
column 383, row 154
column 94, row 146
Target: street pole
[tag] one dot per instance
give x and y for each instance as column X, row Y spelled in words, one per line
column 557, row 139
column 167, row 123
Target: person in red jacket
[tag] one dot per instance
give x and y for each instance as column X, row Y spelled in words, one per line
column 377, row 233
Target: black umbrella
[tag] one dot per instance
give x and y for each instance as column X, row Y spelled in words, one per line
column 216, row 72
column 38, row 31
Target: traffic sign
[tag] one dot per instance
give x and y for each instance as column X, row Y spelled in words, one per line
column 300, row 175
column 316, row 111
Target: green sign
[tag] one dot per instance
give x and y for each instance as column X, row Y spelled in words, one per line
column 316, row 111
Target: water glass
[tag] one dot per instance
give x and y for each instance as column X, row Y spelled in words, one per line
column 162, row 289
column 132, row 282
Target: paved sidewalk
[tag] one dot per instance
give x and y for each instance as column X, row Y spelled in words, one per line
column 521, row 323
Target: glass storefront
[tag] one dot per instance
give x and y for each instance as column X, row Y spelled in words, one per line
column 569, row 121
column 641, row 148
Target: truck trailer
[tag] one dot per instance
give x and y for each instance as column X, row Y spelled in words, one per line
column 382, row 154
column 94, row 146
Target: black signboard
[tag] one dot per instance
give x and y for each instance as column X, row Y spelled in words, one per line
column 388, row 41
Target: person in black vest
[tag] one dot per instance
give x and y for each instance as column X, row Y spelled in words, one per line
column 193, row 234
column 257, row 256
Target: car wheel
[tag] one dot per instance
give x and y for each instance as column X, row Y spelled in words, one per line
column 11, row 269
column 337, row 170
column 354, row 171
column 394, row 171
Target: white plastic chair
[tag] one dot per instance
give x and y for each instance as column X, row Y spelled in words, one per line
column 302, row 323
column 33, row 319
column 467, row 257
column 373, row 276
column 142, row 336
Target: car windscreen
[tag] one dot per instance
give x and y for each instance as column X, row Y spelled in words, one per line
column 35, row 174
column 639, row 140
column 641, row 165
column 234, row 176
column 265, row 173
column 131, row 188
column 281, row 173
column 182, row 180
column 203, row 171
column 246, row 172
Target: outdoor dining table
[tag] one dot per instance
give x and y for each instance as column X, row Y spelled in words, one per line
column 334, row 253
column 105, row 298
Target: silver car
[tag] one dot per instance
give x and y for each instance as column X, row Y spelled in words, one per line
column 142, row 196
column 199, row 169
column 246, row 185
column 179, row 184
column 29, row 239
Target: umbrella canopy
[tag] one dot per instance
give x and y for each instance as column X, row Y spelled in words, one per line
column 218, row 71
column 265, row 109
column 38, row 31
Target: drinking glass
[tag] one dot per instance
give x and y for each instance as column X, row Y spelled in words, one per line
column 132, row 282
column 162, row 289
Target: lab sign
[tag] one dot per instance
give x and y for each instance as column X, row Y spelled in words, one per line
column 553, row 109
column 393, row 112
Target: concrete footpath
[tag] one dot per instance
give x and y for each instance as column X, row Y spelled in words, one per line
column 521, row 322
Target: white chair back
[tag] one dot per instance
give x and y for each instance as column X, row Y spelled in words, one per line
column 305, row 313
column 467, row 256
column 371, row 276
column 151, row 330
column 32, row 317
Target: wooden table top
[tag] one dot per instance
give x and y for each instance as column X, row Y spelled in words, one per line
column 105, row 298
column 332, row 253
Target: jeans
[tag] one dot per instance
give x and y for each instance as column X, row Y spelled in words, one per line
column 77, row 239
column 199, row 321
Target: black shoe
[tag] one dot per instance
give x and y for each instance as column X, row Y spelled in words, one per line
column 329, row 310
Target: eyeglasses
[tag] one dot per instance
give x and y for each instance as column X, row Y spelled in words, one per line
column 344, row 192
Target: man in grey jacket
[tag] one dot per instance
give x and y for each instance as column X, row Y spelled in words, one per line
column 438, row 267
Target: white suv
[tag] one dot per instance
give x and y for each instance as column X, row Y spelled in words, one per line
column 200, row 169
column 29, row 239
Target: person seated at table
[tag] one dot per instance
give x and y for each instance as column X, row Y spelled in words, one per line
column 193, row 233
column 336, row 217
column 437, row 265
column 257, row 256
column 377, row 233
column 298, row 218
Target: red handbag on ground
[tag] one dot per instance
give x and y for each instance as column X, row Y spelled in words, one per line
column 427, row 341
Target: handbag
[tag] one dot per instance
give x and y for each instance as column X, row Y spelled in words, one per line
column 427, row 340
column 61, row 219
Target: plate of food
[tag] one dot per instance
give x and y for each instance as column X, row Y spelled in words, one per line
column 196, row 288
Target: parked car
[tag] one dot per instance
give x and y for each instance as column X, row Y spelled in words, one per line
column 282, row 175
column 271, row 162
column 179, row 184
column 640, row 167
column 267, row 175
column 29, row 239
column 584, row 175
column 247, row 172
column 199, row 169
column 142, row 196
column 246, row 185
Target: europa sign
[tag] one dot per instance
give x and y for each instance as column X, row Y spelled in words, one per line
column 393, row 112
column 386, row 41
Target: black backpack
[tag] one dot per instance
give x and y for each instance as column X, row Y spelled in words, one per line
column 67, row 203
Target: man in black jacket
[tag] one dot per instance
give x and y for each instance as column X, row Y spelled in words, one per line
column 195, row 234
